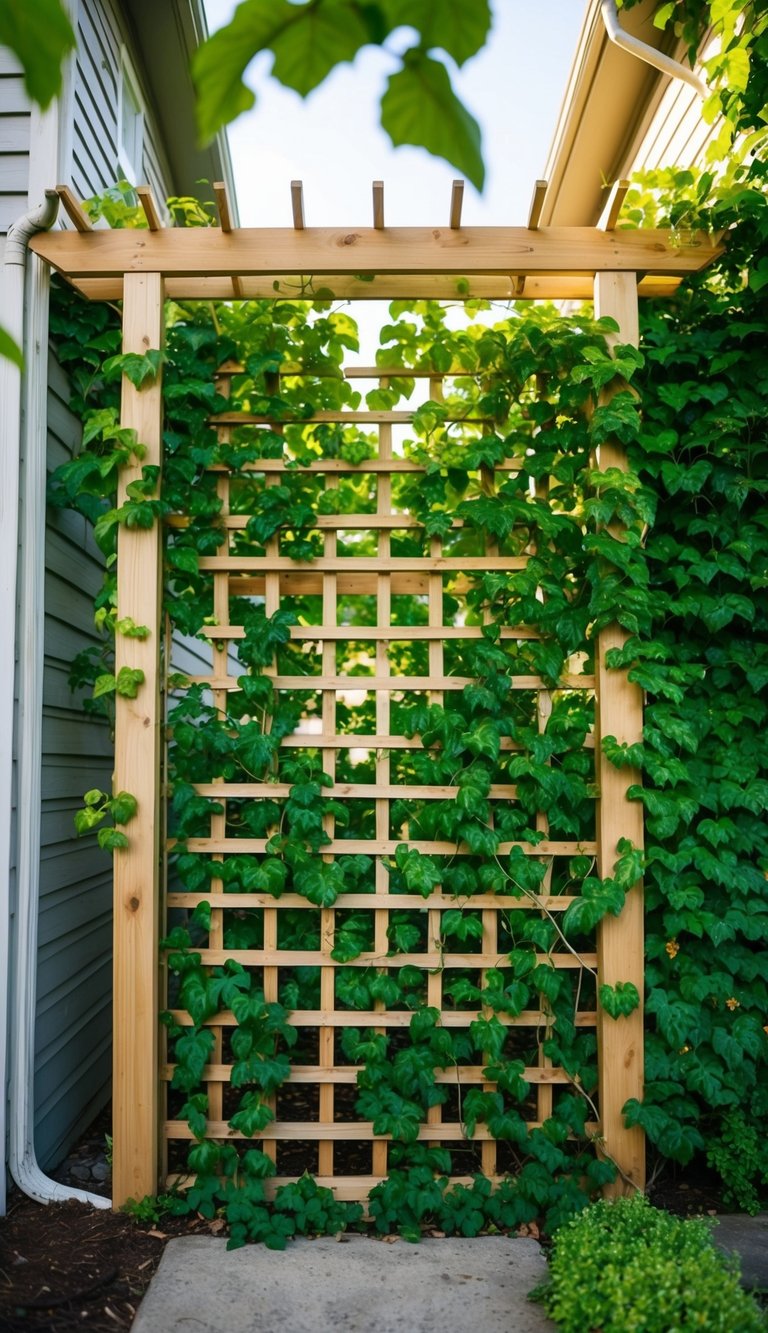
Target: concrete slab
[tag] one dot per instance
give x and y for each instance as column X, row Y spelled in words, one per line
column 748, row 1236
column 353, row 1284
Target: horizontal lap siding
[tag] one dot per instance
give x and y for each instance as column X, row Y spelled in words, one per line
column 14, row 141
column 75, row 950
column 75, row 932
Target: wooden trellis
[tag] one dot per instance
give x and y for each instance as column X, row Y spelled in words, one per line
column 141, row 268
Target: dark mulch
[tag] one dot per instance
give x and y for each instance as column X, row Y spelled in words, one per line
column 69, row 1265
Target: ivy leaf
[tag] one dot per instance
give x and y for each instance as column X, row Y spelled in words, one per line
column 123, row 807
column 139, row 368
column 184, row 558
column 219, row 64
column 463, row 925
column 252, row 1117
column 421, row 108
column 195, row 1111
column 420, row 872
column 255, row 749
column 453, row 25
column 402, row 936
column 111, row 839
column 623, row 998
column 128, row 681
column 483, row 739
column 193, row 1051
column 41, row 35
column 324, row 36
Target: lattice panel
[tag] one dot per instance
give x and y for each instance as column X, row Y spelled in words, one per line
column 377, row 593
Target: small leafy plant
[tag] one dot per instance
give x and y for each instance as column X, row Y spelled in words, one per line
column 738, row 1155
column 623, row 1266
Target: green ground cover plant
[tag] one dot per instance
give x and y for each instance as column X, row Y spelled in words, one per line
column 623, row 1266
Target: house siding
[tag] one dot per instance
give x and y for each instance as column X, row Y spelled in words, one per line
column 14, row 141
column 73, row 1034
column 101, row 34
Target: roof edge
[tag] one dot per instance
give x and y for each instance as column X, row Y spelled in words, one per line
column 606, row 99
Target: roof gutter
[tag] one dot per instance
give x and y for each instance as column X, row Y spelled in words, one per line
column 626, row 42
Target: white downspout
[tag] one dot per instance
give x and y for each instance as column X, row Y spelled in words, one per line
column 643, row 51
column 26, row 419
column 14, row 260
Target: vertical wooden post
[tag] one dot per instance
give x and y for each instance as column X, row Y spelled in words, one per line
column 135, row 1074
column 619, row 939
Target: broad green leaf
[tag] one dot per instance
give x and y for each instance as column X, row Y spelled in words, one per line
column 620, row 999
column 324, row 35
column 219, row 64
column 40, row 34
column 104, row 684
column 421, row 108
column 10, row 349
column 123, row 806
column 455, row 26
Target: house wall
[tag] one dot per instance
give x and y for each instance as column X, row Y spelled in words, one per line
column 14, row 141
column 672, row 132
column 73, row 1035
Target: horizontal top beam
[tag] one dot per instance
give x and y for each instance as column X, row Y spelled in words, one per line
column 202, row 252
column 393, row 286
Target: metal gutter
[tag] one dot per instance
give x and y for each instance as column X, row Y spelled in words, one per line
column 606, row 98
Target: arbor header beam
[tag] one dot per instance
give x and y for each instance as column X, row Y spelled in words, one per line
column 393, row 286
column 195, row 253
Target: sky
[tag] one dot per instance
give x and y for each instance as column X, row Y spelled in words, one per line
column 332, row 140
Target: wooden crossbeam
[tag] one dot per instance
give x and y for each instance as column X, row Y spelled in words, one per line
column 458, row 1074
column 391, row 1018
column 388, row 846
column 345, row 287
column 367, row 901
column 195, row 252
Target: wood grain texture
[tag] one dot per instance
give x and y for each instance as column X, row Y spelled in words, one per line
column 463, row 251
column 619, row 938
column 137, row 759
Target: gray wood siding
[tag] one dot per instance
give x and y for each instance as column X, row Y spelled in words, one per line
column 75, row 924
column 14, row 140
column 73, row 1039
column 101, row 33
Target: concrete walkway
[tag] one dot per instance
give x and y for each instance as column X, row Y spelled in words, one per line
column 354, row 1284
column 748, row 1238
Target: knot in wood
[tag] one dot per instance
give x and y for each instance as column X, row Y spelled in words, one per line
column 134, row 904
column 350, row 239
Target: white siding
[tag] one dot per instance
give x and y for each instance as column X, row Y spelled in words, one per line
column 14, row 140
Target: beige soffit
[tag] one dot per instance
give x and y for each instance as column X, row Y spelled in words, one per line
column 607, row 99
column 167, row 33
